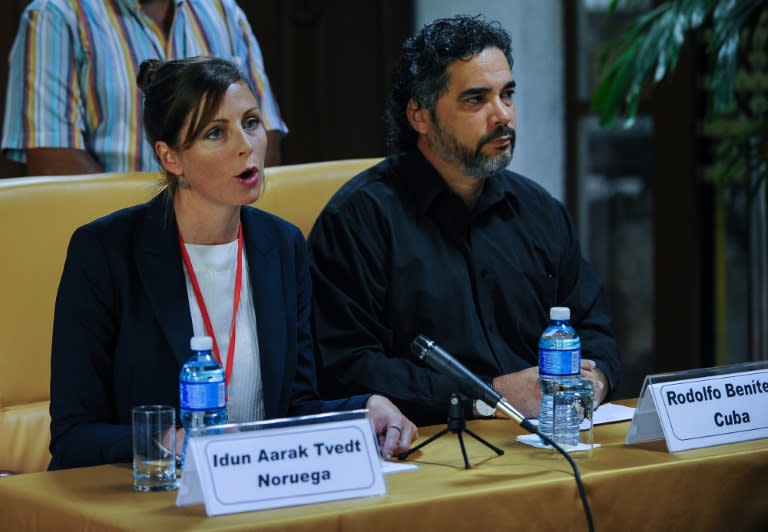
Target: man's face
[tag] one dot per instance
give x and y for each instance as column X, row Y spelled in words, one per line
column 473, row 125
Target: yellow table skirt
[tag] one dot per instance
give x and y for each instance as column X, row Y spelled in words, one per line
column 629, row 488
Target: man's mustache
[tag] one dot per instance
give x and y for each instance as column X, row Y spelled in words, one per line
column 503, row 131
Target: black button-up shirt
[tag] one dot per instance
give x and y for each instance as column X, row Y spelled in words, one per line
column 396, row 254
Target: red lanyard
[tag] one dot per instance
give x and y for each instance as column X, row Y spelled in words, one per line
column 204, row 310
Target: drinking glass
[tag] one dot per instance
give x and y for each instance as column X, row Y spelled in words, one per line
column 154, row 445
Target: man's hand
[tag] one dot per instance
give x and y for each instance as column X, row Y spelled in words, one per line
column 61, row 161
column 522, row 390
column 589, row 370
column 394, row 430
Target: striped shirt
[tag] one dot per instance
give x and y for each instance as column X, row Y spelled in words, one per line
column 73, row 68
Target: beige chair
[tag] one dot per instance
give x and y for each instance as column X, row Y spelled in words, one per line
column 37, row 218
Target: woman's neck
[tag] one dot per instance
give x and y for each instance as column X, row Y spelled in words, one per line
column 206, row 225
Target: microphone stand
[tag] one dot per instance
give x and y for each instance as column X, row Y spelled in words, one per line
column 438, row 359
column 458, row 425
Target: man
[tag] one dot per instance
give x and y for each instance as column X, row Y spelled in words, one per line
column 441, row 240
column 72, row 105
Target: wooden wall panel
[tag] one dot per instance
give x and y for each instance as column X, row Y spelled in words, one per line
column 330, row 64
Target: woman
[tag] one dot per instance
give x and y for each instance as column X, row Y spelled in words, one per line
column 138, row 283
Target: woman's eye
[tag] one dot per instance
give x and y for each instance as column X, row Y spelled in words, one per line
column 252, row 122
column 213, row 134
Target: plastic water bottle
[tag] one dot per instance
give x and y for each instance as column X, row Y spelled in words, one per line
column 202, row 390
column 560, row 373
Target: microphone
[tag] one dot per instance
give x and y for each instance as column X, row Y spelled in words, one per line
column 439, row 359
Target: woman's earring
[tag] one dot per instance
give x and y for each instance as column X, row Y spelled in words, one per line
column 183, row 184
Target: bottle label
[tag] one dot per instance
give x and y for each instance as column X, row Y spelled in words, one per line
column 559, row 362
column 202, row 395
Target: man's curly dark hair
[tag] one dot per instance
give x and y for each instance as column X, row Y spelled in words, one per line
column 420, row 73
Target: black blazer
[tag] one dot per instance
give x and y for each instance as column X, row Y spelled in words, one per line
column 122, row 326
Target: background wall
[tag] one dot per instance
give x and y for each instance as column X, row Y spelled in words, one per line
column 330, row 64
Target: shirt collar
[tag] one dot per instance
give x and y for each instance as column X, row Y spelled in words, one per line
column 497, row 191
column 421, row 181
column 135, row 5
column 425, row 186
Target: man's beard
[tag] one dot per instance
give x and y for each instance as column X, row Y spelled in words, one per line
column 473, row 163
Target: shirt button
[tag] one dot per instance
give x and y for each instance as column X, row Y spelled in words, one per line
column 491, row 328
column 483, row 273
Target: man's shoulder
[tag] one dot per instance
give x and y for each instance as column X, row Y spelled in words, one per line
column 518, row 183
column 227, row 8
column 75, row 17
column 58, row 7
column 373, row 185
column 528, row 192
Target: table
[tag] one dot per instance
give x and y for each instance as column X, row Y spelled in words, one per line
column 629, row 488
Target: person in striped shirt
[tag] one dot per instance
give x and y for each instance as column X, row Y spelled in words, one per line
column 72, row 105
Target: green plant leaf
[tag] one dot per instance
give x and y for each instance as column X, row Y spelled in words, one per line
column 729, row 18
column 649, row 50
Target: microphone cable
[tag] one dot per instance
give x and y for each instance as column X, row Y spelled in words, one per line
column 577, row 476
column 439, row 359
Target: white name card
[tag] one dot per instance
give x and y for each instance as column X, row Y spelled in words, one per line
column 287, row 462
column 701, row 408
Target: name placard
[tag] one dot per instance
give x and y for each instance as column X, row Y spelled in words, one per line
column 287, row 462
column 702, row 408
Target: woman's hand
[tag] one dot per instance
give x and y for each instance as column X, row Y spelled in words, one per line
column 179, row 441
column 394, row 430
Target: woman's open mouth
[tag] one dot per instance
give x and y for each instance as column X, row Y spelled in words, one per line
column 249, row 175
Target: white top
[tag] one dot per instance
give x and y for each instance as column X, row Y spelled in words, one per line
column 215, row 267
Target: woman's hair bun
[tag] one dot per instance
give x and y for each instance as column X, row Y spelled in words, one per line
column 147, row 71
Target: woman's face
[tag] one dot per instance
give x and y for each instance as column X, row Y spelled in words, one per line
column 225, row 163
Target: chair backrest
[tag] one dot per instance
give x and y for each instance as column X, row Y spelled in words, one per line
column 37, row 218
